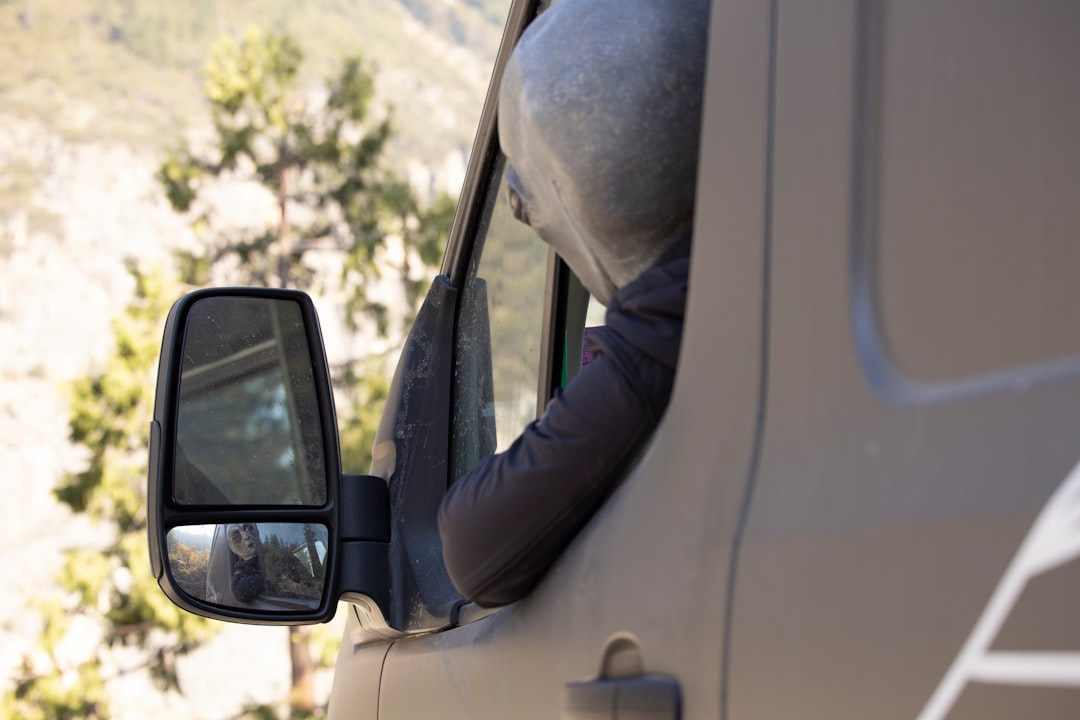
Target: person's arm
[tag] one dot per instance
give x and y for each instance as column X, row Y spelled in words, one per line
column 504, row 523
column 247, row 580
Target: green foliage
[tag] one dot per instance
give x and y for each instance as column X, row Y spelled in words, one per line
column 434, row 228
column 189, row 566
column 423, row 231
column 270, row 712
column 254, row 75
column 179, row 177
column 157, row 30
column 112, row 586
column 366, row 388
column 321, row 161
column 137, row 63
column 110, row 412
column 131, row 66
column 76, row 695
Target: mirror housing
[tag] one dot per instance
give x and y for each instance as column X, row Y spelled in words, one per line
column 250, row 517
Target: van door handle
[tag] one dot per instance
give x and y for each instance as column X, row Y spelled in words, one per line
column 646, row 697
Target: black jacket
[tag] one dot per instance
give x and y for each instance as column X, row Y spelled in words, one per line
column 246, row 579
column 504, row 523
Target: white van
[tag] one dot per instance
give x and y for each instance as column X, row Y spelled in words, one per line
column 863, row 500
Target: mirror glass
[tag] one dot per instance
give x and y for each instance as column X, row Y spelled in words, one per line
column 256, row 566
column 248, row 429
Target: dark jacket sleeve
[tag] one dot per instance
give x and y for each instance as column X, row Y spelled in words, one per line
column 504, row 523
column 247, row 579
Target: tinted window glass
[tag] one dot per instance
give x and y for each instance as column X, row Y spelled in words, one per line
column 499, row 332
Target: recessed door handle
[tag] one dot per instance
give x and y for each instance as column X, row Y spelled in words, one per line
column 647, row 697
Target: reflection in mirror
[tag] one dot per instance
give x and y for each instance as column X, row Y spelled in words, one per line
column 248, row 428
column 254, row 566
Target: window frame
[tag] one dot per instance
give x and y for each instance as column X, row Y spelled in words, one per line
column 561, row 286
column 485, row 152
column 416, row 464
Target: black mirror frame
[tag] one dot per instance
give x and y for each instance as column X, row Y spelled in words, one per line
column 356, row 556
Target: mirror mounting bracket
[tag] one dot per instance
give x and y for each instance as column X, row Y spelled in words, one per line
column 365, row 536
column 365, row 508
column 365, row 571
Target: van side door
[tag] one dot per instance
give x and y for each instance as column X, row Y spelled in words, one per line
column 909, row 551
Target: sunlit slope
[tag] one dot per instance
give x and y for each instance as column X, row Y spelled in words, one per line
column 131, row 70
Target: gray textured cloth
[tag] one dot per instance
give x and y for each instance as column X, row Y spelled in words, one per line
column 599, row 116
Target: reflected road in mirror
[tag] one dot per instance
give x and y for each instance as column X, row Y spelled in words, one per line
column 253, row 566
column 248, row 422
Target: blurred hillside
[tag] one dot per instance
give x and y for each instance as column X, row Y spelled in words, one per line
column 130, row 71
column 92, row 93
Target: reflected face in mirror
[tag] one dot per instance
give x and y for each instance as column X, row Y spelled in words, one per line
column 243, row 539
column 248, row 420
column 263, row 566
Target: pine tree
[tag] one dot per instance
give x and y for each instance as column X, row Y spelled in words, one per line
column 319, row 155
column 320, row 159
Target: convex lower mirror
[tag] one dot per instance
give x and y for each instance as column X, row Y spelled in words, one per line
column 269, row 566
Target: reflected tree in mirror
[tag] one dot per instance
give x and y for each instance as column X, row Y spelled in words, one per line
column 254, row 566
column 248, row 424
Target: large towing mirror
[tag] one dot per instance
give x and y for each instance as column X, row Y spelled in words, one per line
column 246, row 497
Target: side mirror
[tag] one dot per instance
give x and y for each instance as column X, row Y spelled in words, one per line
column 247, row 502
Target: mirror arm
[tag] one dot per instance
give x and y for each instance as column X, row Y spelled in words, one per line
column 365, row 508
column 365, row 571
column 365, row 541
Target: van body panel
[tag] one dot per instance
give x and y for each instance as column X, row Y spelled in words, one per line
column 357, row 675
column 887, row 513
column 840, row 489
